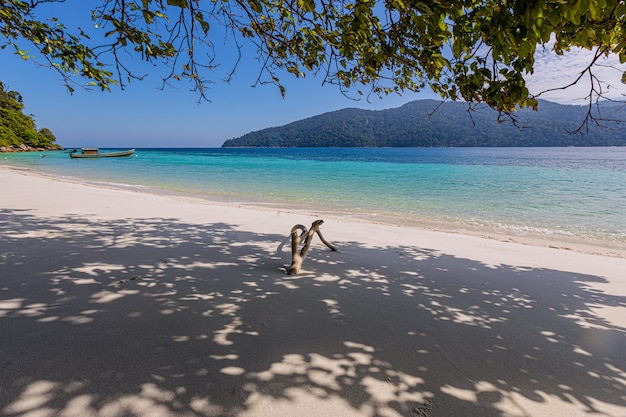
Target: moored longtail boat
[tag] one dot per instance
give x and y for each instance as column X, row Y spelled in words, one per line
column 95, row 153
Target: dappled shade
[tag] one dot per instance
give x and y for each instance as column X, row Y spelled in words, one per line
column 223, row 331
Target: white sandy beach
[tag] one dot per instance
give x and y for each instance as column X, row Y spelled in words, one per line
column 119, row 303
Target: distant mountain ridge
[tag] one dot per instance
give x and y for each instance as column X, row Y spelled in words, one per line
column 430, row 123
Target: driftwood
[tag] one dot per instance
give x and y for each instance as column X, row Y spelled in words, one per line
column 297, row 256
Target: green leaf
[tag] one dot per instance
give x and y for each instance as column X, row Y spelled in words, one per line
column 147, row 16
column 306, row 5
column 178, row 3
column 256, row 6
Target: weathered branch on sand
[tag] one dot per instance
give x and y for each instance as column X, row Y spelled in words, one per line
column 297, row 257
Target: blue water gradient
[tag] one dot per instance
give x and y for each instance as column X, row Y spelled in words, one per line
column 578, row 192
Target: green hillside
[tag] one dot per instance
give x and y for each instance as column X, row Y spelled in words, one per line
column 429, row 123
column 17, row 130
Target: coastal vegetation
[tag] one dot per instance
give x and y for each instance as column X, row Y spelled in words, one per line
column 18, row 131
column 429, row 123
column 473, row 51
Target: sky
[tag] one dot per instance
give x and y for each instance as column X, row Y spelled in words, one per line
column 143, row 115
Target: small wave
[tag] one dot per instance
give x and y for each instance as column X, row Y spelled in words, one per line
column 117, row 185
column 521, row 228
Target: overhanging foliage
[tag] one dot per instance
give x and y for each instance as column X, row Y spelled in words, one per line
column 478, row 51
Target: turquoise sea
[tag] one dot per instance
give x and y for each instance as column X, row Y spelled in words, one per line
column 570, row 192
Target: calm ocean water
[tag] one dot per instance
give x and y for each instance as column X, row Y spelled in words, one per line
column 577, row 192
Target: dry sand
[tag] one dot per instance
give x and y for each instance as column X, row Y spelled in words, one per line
column 117, row 303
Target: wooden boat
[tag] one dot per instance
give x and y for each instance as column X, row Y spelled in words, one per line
column 95, row 153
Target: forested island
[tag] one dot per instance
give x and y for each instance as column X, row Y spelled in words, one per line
column 430, row 123
column 18, row 132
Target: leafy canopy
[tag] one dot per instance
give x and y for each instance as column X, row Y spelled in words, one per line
column 478, row 51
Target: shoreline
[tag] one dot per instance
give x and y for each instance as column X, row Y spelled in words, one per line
column 587, row 245
column 120, row 302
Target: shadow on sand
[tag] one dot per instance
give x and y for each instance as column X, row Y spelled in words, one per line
column 157, row 317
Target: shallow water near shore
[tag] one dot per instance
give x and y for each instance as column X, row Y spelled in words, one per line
column 551, row 192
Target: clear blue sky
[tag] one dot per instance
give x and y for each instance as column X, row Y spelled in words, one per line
column 142, row 115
